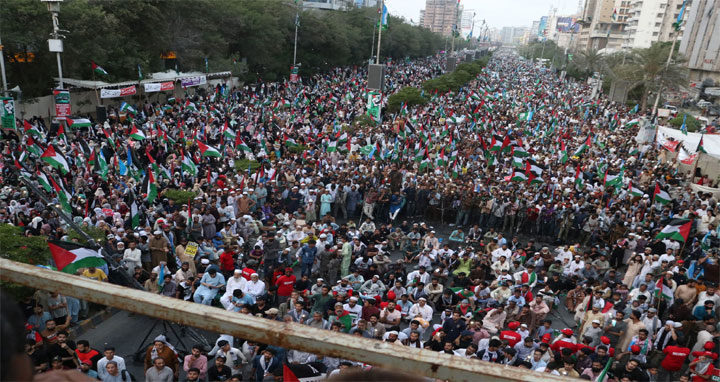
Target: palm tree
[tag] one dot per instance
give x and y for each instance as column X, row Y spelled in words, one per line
column 646, row 67
column 589, row 61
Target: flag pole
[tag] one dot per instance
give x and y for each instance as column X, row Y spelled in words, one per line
column 297, row 14
column 377, row 57
column 95, row 86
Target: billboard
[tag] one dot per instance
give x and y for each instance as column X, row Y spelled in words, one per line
column 567, row 24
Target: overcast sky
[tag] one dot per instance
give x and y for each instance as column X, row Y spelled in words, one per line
column 503, row 13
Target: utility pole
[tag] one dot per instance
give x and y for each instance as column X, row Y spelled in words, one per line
column 2, row 69
column 667, row 64
column 382, row 10
column 455, row 27
column 297, row 21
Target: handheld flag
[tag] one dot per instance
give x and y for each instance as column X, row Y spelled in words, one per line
column 98, row 69
column 677, row 229
column 70, row 257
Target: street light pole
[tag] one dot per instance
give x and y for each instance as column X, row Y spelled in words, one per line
column 667, row 64
column 55, row 44
column 382, row 6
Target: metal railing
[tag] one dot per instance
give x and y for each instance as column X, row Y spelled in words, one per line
column 287, row 335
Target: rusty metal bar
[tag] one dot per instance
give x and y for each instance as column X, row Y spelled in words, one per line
column 291, row 336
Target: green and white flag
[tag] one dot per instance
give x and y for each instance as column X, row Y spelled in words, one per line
column 189, row 166
column 332, row 146
column 374, row 105
column 613, row 180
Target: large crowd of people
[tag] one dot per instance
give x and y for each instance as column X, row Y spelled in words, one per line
column 469, row 225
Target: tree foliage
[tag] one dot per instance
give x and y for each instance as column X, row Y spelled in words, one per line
column 454, row 81
column 691, row 122
column 120, row 34
column 408, row 95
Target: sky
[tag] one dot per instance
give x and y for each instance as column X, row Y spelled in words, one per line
column 497, row 13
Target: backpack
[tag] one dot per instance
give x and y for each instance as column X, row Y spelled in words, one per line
column 126, row 375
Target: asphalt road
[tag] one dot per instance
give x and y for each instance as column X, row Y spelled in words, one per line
column 127, row 332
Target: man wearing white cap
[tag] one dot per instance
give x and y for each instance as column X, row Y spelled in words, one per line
column 233, row 283
column 353, row 308
column 255, row 287
column 422, row 309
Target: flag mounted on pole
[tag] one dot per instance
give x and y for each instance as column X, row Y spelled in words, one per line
column 70, row 257
column 134, row 211
column 208, row 151
column 151, row 188
column 55, row 159
column 664, row 291
column 98, row 69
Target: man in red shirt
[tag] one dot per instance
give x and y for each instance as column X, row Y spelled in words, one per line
column 671, row 365
column 285, row 285
column 511, row 336
column 227, row 261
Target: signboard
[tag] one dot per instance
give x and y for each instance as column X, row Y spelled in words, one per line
column 294, row 74
column 114, row 93
column 193, row 81
column 373, row 105
column 8, row 113
column 191, row 248
column 663, row 113
column 62, row 103
column 159, row 87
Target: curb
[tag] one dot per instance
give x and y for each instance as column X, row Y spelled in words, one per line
column 90, row 323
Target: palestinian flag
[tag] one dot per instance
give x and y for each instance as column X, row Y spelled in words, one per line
column 663, row 290
column 518, row 162
column 243, row 146
column 31, row 130
column 62, row 195
column 660, row 196
column 701, row 147
column 78, row 122
column 331, row 147
column 70, row 257
column 677, row 229
column 579, row 178
column 519, row 176
column 32, row 147
column 189, row 166
column 134, row 210
column 137, row 134
column 603, row 375
column 98, row 69
column 208, row 151
column 229, row 133
column 289, row 375
column 612, row 180
column 496, row 143
column 43, row 180
column 289, row 142
column 533, row 171
column 520, row 152
column 125, row 107
column 55, row 159
column 506, row 145
column 634, row 191
column 583, row 147
column 151, row 189
column 61, row 134
column 563, row 153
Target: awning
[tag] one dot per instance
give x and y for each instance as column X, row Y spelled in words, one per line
column 169, row 75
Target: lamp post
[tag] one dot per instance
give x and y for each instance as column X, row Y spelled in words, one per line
column 55, row 44
column 2, row 69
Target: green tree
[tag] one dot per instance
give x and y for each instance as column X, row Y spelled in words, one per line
column 646, row 68
column 691, row 122
column 408, row 95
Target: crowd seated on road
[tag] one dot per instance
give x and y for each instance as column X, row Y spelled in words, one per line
column 514, row 221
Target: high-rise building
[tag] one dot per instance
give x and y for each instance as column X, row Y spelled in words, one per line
column 603, row 24
column 441, row 16
column 651, row 21
column 514, row 35
column 466, row 22
column 700, row 43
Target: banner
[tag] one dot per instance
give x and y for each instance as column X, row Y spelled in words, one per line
column 294, row 74
column 159, row 87
column 62, row 103
column 114, row 93
column 193, row 81
column 373, row 105
column 7, row 115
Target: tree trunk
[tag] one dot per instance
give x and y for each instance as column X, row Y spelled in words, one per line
column 646, row 93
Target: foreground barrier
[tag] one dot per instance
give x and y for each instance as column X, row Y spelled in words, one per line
column 291, row 336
